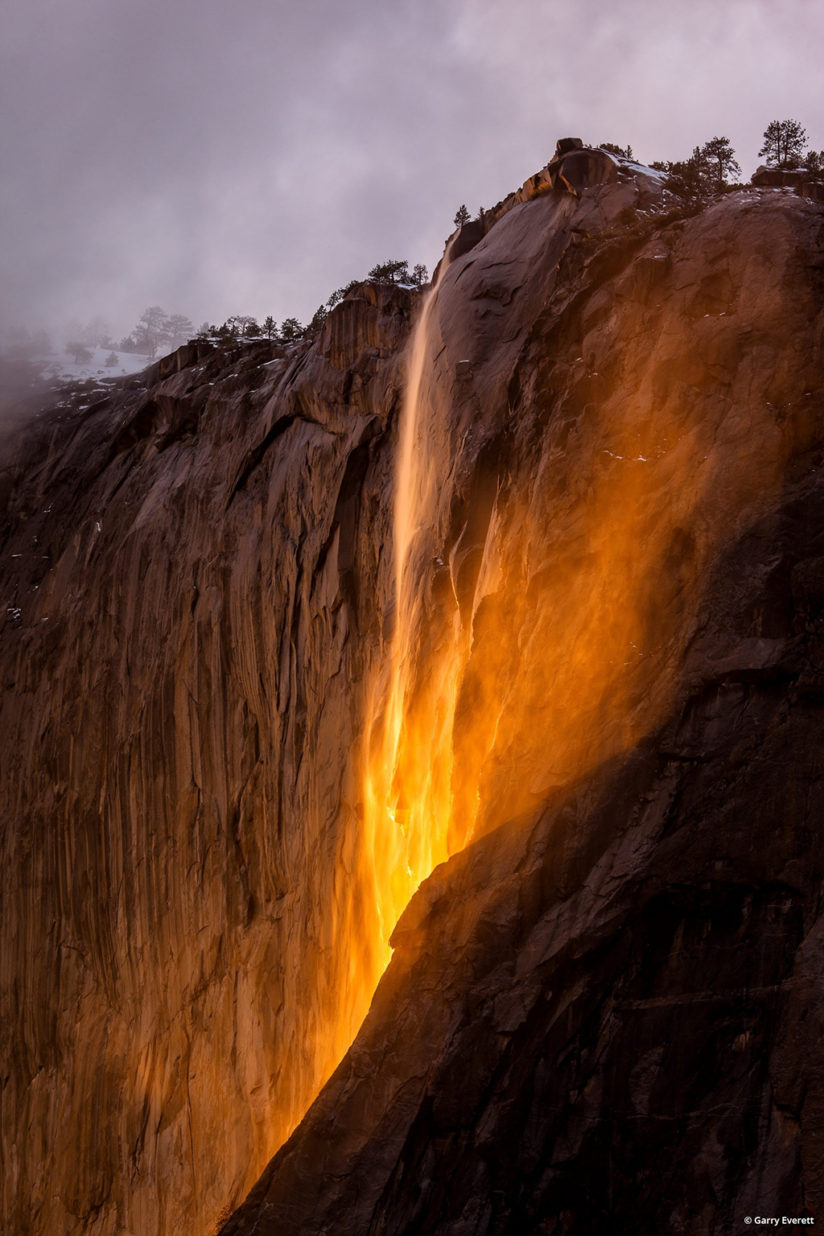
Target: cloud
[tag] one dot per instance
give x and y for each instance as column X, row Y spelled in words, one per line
column 250, row 158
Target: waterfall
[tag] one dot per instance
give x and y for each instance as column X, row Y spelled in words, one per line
column 407, row 760
column 584, row 558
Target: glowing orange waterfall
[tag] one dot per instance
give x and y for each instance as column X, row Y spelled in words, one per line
column 408, row 741
column 565, row 649
column 409, row 770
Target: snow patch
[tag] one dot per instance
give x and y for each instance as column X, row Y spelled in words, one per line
column 61, row 366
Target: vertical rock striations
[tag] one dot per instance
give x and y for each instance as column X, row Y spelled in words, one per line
column 607, row 647
column 184, row 637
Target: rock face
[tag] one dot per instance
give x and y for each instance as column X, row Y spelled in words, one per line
column 577, row 169
column 180, row 671
column 610, row 1017
column 789, row 178
column 599, row 609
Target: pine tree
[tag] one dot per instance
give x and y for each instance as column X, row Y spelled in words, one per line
column 390, row 272
column 462, row 215
column 720, row 159
column 151, row 330
column 339, row 293
column 691, row 179
column 318, row 319
column 814, row 162
column 623, row 152
column 784, row 142
column 179, row 329
column 703, row 175
column 290, row 330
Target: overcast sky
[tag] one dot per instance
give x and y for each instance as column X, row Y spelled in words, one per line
column 249, row 157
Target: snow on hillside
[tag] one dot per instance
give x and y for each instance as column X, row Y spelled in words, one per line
column 62, row 366
column 32, row 378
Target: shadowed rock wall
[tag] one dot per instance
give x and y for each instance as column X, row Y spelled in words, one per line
column 183, row 642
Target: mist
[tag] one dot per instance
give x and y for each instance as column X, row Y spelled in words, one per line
column 251, row 159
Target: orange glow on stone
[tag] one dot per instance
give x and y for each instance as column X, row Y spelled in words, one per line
column 561, row 654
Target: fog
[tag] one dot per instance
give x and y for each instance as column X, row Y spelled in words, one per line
column 219, row 159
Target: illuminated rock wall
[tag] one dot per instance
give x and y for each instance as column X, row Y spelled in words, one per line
column 202, row 618
column 605, row 1012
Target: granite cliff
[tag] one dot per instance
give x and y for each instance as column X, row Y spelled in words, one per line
column 520, row 580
